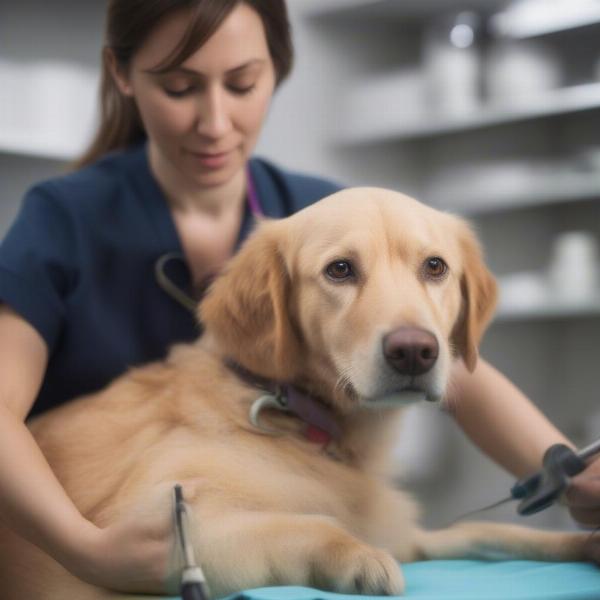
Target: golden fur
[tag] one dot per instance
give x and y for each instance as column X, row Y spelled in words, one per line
column 279, row 509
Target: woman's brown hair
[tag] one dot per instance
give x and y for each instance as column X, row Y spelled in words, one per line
column 128, row 24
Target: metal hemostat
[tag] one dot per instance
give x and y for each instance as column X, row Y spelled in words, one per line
column 193, row 582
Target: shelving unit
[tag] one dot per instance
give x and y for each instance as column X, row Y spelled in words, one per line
column 428, row 140
column 549, row 310
column 559, row 102
column 561, row 188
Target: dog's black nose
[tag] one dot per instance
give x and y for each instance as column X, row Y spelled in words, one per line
column 411, row 351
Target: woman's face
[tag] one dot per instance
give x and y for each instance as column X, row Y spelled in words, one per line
column 203, row 117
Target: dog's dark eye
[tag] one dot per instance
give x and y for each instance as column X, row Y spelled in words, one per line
column 340, row 269
column 435, row 267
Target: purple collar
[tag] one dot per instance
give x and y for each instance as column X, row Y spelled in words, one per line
column 322, row 426
column 321, row 423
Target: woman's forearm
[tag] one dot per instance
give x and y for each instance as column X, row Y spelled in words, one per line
column 500, row 419
column 32, row 501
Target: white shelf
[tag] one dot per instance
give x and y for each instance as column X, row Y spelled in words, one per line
column 317, row 8
column 576, row 22
column 400, row 9
column 47, row 108
column 37, row 147
column 560, row 102
column 549, row 310
column 523, row 24
column 551, row 189
column 515, row 24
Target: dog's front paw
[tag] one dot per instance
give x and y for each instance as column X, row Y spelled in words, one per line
column 370, row 571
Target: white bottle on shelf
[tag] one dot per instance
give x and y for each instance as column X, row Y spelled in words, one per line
column 575, row 269
column 452, row 64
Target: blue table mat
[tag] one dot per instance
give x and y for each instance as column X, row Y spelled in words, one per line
column 469, row 579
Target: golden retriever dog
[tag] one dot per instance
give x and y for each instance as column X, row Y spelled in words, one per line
column 352, row 308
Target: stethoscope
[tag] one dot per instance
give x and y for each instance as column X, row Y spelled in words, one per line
column 161, row 265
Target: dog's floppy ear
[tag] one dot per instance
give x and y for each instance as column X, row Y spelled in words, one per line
column 479, row 295
column 246, row 309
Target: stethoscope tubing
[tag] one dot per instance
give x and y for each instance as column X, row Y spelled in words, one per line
column 160, row 274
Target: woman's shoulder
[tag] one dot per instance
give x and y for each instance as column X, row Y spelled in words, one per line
column 87, row 188
column 293, row 190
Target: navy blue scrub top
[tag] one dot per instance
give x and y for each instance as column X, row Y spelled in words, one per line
column 78, row 264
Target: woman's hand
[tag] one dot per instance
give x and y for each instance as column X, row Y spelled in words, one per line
column 583, row 495
column 136, row 553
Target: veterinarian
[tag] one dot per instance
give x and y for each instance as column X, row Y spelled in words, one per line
column 168, row 181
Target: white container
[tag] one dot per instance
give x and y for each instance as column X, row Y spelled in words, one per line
column 574, row 270
column 516, row 70
column 452, row 64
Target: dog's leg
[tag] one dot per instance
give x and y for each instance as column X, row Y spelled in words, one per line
column 251, row 549
column 495, row 540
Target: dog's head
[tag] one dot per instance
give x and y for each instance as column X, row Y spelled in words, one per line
column 358, row 297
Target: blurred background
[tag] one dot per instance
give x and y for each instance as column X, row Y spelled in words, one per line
column 486, row 108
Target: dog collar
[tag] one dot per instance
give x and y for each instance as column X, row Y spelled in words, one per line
column 321, row 423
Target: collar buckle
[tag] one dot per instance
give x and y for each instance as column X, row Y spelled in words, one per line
column 277, row 401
